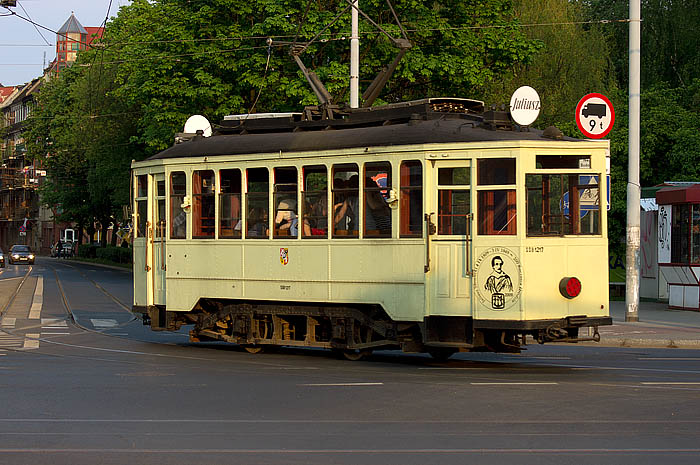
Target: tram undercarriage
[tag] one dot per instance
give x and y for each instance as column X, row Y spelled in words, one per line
column 355, row 332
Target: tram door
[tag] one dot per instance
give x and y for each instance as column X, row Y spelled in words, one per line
column 449, row 232
column 156, row 240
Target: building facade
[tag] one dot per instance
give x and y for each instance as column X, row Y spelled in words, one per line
column 23, row 220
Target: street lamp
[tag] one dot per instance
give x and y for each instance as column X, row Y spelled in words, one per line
column 8, row 3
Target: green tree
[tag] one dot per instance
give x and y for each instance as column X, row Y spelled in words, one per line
column 573, row 61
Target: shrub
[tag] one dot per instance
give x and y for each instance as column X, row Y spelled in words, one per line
column 114, row 254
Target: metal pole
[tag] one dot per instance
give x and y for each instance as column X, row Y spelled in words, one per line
column 355, row 58
column 633, row 187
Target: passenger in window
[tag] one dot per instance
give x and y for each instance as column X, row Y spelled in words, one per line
column 320, row 211
column 378, row 215
column 286, row 219
column 340, row 207
column 258, row 220
column 353, row 202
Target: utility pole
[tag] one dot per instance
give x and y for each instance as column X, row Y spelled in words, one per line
column 355, row 57
column 633, row 186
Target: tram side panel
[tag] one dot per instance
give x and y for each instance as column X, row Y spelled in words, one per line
column 352, row 272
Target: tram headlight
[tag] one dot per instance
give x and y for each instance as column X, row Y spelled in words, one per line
column 570, row 287
column 31, row 256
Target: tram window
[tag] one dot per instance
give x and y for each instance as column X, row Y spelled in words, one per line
column 345, row 200
column 141, row 205
column 377, row 213
column 549, row 204
column 495, row 171
column 563, row 161
column 257, row 203
column 497, row 212
column 315, row 202
column 230, row 204
column 203, row 195
column 411, row 200
column 454, row 201
column 285, row 201
column 178, row 218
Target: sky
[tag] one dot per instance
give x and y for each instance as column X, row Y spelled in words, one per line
column 22, row 47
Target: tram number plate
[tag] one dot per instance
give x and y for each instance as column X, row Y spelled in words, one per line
column 539, row 249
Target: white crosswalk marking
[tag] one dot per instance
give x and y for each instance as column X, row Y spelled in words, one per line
column 38, row 302
column 8, row 322
column 31, row 341
column 8, row 341
column 102, row 323
column 53, row 323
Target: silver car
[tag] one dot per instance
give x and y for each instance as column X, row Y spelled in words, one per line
column 21, row 254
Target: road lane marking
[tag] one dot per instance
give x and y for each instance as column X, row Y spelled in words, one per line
column 8, row 322
column 53, row 323
column 38, row 301
column 341, row 384
column 670, row 383
column 681, row 359
column 100, row 323
column 31, row 341
column 545, row 383
column 44, row 333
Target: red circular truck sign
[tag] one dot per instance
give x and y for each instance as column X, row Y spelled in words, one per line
column 595, row 115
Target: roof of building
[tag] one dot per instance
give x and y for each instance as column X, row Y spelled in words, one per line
column 689, row 193
column 5, row 92
column 72, row 25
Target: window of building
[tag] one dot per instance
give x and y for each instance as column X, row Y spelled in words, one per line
column 346, row 206
column 496, row 207
column 454, row 201
column 285, row 200
column 230, row 204
column 561, row 204
column 684, row 239
column 203, row 198
column 141, row 205
column 257, row 203
column 178, row 217
column 315, row 202
column 411, row 199
column 377, row 212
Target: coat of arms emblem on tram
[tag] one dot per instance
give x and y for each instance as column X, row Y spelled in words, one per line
column 284, row 255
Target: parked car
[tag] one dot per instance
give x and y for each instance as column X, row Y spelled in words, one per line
column 21, row 254
column 2, row 259
column 66, row 249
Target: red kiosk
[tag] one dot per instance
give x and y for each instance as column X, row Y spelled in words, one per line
column 679, row 244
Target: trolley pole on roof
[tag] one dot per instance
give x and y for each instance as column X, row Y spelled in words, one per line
column 355, row 57
column 633, row 186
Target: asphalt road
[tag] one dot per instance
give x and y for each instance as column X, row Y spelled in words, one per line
column 103, row 389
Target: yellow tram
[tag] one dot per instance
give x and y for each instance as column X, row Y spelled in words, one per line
column 428, row 226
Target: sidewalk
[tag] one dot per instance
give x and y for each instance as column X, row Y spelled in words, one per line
column 658, row 326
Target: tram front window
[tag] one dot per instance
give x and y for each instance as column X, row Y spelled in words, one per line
column 562, row 204
column 453, row 200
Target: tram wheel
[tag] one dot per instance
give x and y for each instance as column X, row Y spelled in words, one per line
column 253, row 349
column 441, row 354
column 355, row 355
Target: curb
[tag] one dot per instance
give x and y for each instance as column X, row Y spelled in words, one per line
column 649, row 343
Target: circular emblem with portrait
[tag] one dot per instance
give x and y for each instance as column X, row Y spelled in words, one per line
column 498, row 278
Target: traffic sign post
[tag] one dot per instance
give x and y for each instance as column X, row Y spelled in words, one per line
column 595, row 116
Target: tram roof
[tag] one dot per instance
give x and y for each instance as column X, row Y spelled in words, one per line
column 410, row 133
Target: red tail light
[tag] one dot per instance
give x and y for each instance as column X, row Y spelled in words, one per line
column 570, row 287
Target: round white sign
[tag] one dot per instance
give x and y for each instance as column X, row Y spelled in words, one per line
column 525, row 105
